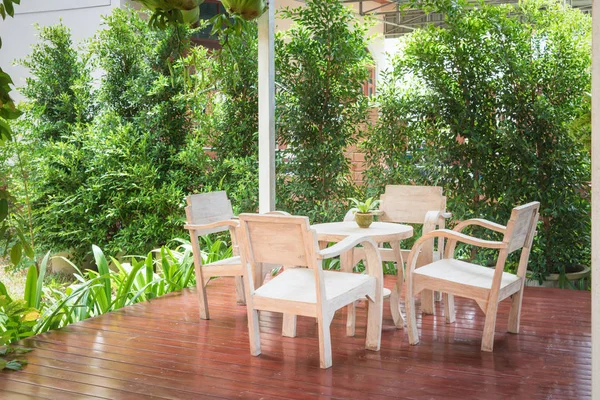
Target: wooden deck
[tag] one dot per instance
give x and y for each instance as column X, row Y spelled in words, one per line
column 163, row 350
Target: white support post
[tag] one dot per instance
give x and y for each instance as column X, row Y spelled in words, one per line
column 596, row 200
column 266, row 110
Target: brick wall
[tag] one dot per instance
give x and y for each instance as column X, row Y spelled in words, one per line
column 356, row 157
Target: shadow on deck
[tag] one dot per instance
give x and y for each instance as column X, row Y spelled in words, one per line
column 163, row 350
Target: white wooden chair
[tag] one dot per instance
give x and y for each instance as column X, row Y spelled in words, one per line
column 211, row 213
column 306, row 290
column 407, row 204
column 486, row 286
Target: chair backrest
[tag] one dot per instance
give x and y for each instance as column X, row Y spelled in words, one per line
column 278, row 239
column 521, row 226
column 207, row 208
column 409, row 204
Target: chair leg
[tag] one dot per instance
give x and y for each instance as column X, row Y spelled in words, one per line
column 395, row 305
column 396, row 294
column 202, row 299
column 427, row 303
column 351, row 319
column 411, row 318
column 253, row 324
column 449, row 311
column 253, row 331
column 288, row 328
column 374, row 324
column 514, row 316
column 324, row 343
column 346, row 265
column 487, row 342
column 240, row 296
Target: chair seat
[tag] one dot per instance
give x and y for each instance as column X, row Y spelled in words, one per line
column 298, row 284
column 231, row 266
column 226, row 261
column 464, row 273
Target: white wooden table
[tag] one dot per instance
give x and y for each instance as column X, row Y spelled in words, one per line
column 380, row 232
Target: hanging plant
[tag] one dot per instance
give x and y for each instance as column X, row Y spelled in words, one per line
column 171, row 12
column 168, row 12
column 247, row 9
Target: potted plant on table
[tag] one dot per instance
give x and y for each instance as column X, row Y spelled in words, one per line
column 364, row 211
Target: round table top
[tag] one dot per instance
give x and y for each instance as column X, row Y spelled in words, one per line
column 380, row 232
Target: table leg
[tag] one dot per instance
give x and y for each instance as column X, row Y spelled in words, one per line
column 346, row 265
column 396, row 294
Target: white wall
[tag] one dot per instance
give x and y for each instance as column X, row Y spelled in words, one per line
column 83, row 17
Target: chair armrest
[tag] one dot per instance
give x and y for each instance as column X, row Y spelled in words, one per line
column 461, row 237
column 435, row 219
column 452, row 237
column 373, row 256
column 480, row 222
column 347, row 244
column 227, row 222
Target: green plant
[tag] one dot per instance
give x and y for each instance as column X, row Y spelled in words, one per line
column 17, row 318
column 483, row 108
column 234, row 121
column 14, row 364
column 9, row 227
column 98, row 292
column 235, row 113
column 322, row 62
column 366, row 206
column 112, row 164
column 173, row 12
column 8, row 111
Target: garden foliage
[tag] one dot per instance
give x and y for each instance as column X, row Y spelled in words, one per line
column 483, row 108
column 493, row 108
column 114, row 285
column 322, row 62
column 114, row 161
column 234, row 132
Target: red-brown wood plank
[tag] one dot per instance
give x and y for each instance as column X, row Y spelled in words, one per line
column 162, row 349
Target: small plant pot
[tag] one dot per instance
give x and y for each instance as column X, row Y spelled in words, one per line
column 363, row 220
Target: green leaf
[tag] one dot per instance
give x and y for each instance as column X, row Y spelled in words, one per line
column 15, row 253
column 15, row 365
column 10, row 10
column 31, row 285
column 40, row 282
column 104, row 273
column 3, row 209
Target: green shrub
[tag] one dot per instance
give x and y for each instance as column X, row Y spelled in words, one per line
column 235, row 113
column 234, row 133
column 488, row 117
column 119, row 176
column 322, row 63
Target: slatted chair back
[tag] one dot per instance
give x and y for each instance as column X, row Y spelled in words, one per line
column 207, row 208
column 521, row 227
column 278, row 239
column 409, row 204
